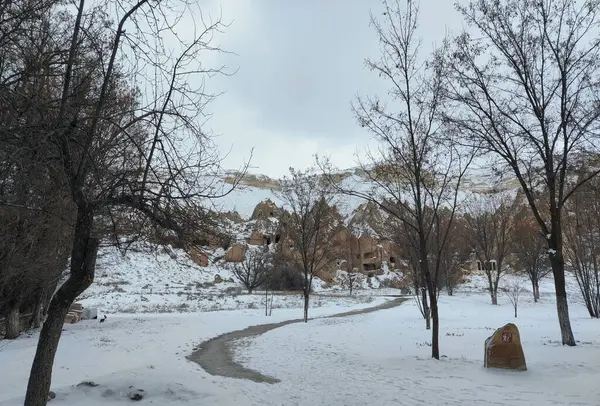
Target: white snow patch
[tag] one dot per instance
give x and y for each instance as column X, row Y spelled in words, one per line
column 145, row 352
column 385, row 358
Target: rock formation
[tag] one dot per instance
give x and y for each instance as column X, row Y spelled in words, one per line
column 503, row 349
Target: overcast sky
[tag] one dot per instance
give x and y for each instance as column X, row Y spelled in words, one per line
column 301, row 62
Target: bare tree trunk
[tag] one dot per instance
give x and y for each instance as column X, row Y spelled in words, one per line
column 562, row 306
column 83, row 262
column 495, row 295
column 536, row 290
column 515, row 310
column 48, row 295
column 37, row 315
column 267, row 301
column 13, row 322
column 306, row 295
column 351, row 281
column 435, row 332
column 426, row 309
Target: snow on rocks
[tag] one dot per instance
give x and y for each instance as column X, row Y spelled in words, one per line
column 150, row 279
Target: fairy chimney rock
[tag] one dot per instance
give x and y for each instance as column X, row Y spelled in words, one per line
column 264, row 210
column 235, row 253
column 503, row 349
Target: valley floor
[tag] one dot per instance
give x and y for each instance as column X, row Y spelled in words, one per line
column 381, row 358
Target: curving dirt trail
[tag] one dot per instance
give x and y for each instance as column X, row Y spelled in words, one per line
column 216, row 358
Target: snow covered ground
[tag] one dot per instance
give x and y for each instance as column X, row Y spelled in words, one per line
column 383, row 359
column 166, row 280
column 379, row 359
column 129, row 352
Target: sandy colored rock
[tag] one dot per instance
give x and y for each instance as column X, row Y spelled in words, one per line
column 72, row 318
column 236, row 253
column 503, row 349
column 265, row 209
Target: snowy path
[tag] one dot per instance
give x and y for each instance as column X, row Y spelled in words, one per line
column 215, row 355
column 384, row 359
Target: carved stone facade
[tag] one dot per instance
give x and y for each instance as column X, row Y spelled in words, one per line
column 363, row 253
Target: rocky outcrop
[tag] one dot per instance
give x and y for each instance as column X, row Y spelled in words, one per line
column 367, row 219
column 265, row 210
column 236, row 253
column 503, row 349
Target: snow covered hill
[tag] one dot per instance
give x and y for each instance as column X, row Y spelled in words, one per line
column 255, row 188
column 151, row 279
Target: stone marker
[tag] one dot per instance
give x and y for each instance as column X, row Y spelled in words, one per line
column 503, row 349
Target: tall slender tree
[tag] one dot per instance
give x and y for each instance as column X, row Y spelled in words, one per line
column 491, row 221
column 418, row 168
column 110, row 147
column 525, row 84
column 311, row 226
column 582, row 243
column 530, row 254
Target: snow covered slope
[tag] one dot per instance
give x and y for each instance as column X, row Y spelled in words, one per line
column 149, row 279
column 254, row 188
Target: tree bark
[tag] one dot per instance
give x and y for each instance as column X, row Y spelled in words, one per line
column 515, row 311
column 426, row 309
column 267, row 301
column 37, row 315
column 562, row 306
column 13, row 322
column 83, row 262
column 48, row 295
column 435, row 331
column 536, row 290
column 306, row 295
column 494, row 294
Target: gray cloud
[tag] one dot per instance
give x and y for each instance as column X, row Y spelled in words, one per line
column 300, row 65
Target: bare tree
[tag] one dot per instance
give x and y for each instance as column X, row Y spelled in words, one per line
column 582, row 243
column 110, row 147
column 418, row 168
column 514, row 290
column 254, row 270
column 32, row 251
column 311, row 225
column 268, row 299
column 525, row 87
column 419, row 284
column 351, row 279
column 491, row 226
column 404, row 237
column 455, row 255
column 530, row 255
